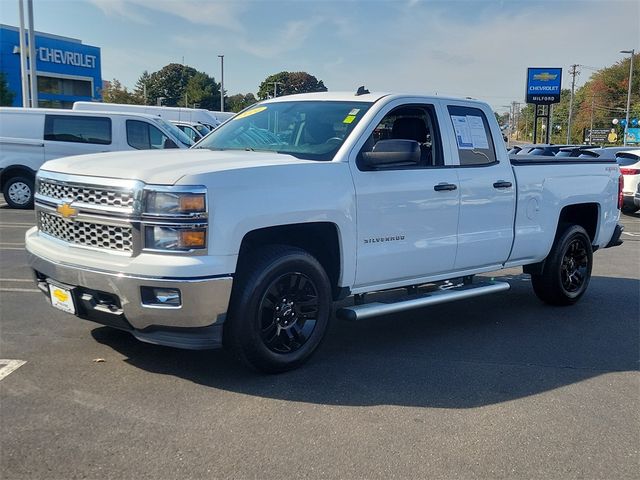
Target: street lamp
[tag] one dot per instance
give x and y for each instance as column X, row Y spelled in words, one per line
column 626, row 125
column 275, row 88
column 221, row 57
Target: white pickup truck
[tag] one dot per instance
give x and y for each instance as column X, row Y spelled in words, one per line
column 247, row 239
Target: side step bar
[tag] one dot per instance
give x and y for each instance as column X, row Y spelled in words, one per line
column 361, row 312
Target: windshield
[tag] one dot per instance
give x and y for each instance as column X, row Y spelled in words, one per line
column 176, row 132
column 202, row 130
column 310, row 130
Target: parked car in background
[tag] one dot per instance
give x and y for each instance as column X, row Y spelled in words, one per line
column 636, row 197
column 542, row 149
column 629, row 162
column 197, row 115
column 31, row 136
column 195, row 131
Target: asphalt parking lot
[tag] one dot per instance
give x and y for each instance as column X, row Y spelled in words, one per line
column 495, row 387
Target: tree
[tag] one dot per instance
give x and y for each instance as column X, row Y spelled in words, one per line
column 238, row 102
column 6, row 95
column 179, row 85
column 141, row 87
column 289, row 83
column 169, row 82
column 203, row 90
column 114, row 92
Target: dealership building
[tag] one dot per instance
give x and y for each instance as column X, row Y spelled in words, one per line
column 67, row 70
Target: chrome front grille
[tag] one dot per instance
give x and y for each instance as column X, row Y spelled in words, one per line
column 91, row 195
column 88, row 234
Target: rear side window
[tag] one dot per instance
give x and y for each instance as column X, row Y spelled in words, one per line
column 473, row 137
column 144, row 136
column 78, row 129
column 627, row 159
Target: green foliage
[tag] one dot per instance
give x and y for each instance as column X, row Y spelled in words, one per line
column 6, row 95
column 114, row 92
column 180, row 86
column 290, row 83
column 238, row 102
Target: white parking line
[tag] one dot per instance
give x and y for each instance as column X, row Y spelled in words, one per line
column 10, row 366
column 24, row 290
column 16, row 280
column 11, row 248
column 16, row 225
column 11, row 244
column 631, row 234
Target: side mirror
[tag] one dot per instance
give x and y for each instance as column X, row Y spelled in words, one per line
column 392, row 152
column 168, row 143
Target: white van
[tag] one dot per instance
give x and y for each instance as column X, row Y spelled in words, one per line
column 196, row 115
column 195, row 131
column 31, row 136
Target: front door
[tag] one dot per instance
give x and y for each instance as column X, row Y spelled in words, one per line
column 407, row 214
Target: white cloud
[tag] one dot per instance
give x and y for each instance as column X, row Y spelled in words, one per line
column 198, row 12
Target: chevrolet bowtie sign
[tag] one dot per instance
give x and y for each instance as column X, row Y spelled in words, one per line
column 543, row 85
column 66, row 210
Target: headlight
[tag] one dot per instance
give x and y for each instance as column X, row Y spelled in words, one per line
column 175, row 203
column 175, row 237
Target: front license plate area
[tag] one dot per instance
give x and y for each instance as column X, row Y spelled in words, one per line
column 62, row 297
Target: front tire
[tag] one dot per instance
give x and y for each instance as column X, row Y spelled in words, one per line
column 18, row 192
column 567, row 270
column 280, row 309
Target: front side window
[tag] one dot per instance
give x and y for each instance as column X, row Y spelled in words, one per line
column 473, row 137
column 310, row 130
column 409, row 122
column 144, row 136
column 77, row 129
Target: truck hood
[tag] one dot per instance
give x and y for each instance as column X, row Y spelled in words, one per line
column 164, row 167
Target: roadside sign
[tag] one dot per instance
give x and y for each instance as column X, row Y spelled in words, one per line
column 543, row 85
column 598, row 135
column 633, row 135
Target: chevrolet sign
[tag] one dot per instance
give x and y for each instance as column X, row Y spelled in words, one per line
column 543, row 85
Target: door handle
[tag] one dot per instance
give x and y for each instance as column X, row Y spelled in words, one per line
column 502, row 184
column 443, row 187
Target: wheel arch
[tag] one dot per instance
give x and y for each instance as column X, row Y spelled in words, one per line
column 13, row 171
column 320, row 239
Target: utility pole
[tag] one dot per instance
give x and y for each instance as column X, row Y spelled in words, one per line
column 516, row 117
column 32, row 55
column 593, row 99
column 573, row 72
column 626, row 125
column 221, row 82
column 23, row 58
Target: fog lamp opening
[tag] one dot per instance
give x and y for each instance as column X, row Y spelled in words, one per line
column 161, row 297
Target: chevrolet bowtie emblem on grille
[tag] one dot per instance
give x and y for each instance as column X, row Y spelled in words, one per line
column 66, row 210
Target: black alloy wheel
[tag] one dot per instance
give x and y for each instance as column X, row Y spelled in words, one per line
column 567, row 269
column 288, row 312
column 280, row 308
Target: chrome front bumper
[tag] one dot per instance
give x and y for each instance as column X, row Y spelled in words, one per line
column 115, row 299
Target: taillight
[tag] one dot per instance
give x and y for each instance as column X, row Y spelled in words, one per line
column 629, row 171
column 620, row 196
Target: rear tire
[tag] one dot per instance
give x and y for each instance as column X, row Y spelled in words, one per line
column 567, row 270
column 18, row 192
column 280, row 309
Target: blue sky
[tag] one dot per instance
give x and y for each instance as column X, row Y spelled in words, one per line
column 472, row 48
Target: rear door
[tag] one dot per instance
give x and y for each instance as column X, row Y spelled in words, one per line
column 407, row 215
column 487, row 188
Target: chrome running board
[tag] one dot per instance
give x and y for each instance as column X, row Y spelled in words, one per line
column 366, row 310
